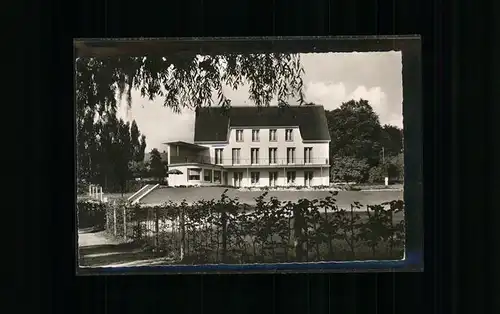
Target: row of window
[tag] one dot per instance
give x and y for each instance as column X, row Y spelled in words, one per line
column 273, row 152
column 195, row 175
column 273, row 178
column 272, row 135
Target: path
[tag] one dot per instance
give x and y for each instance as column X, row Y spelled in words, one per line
column 97, row 249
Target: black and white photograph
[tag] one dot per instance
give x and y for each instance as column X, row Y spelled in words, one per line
column 239, row 158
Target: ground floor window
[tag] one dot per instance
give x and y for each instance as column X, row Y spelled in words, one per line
column 194, row 174
column 237, row 177
column 273, row 178
column 308, row 177
column 217, row 176
column 207, row 175
column 290, row 176
column 255, row 177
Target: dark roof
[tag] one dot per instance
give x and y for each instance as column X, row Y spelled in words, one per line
column 212, row 124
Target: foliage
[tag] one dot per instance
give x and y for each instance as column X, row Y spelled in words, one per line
column 105, row 149
column 355, row 131
column 391, row 138
column 377, row 174
column 138, row 143
column 91, row 214
column 225, row 230
column 157, row 166
column 396, row 167
column 186, row 80
column 139, row 169
column 348, row 169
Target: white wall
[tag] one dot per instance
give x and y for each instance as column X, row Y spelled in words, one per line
column 182, row 179
column 317, row 180
column 320, row 151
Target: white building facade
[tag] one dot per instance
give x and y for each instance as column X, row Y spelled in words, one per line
column 270, row 151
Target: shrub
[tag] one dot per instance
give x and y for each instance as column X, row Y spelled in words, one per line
column 377, row 174
column 225, row 230
column 91, row 214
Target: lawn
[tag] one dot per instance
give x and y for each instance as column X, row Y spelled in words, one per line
column 344, row 198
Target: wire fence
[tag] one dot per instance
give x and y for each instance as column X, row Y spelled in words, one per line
column 226, row 231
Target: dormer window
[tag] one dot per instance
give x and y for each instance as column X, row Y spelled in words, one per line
column 255, row 135
column 239, row 135
column 289, row 135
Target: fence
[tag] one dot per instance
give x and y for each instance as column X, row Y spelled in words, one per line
column 92, row 214
column 227, row 231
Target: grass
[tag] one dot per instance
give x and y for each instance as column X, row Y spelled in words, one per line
column 193, row 194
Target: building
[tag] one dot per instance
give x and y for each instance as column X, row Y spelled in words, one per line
column 251, row 146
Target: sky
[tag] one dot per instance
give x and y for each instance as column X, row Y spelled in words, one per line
column 329, row 80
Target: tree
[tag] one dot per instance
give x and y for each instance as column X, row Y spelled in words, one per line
column 157, row 166
column 355, row 131
column 105, row 149
column 122, row 154
column 186, row 80
column 377, row 174
column 348, row 169
column 396, row 169
column 392, row 140
column 182, row 80
column 142, row 148
column 135, row 137
column 139, row 169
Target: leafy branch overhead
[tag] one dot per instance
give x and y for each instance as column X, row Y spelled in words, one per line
column 186, row 80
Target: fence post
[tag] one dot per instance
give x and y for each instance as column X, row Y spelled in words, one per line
column 224, row 235
column 157, row 228
column 125, row 223
column 182, row 228
column 298, row 222
column 108, row 218
column 114, row 220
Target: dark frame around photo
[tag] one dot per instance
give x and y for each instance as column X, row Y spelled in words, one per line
column 410, row 47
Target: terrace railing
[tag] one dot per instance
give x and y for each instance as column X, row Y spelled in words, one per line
column 190, row 159
column 261, row 161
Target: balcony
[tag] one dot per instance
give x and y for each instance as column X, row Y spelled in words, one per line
column 190, row 159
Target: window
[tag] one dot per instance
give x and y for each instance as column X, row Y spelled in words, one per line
column 255, row 135
column 239, row 135
column 273, row 178
column 237, row 177
column 288, row 135
column 194, row 174
column 290, row 177
column 236, row 156
column 207, row 175
column 217, row 176
column 290, row 155
column 272, row 155
column 307, row 155
column 308, row 176
column 254, row 155
column 218, row 156
column 255, row 177
column 272, row 135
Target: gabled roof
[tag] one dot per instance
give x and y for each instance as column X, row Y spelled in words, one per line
column 212, row 124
